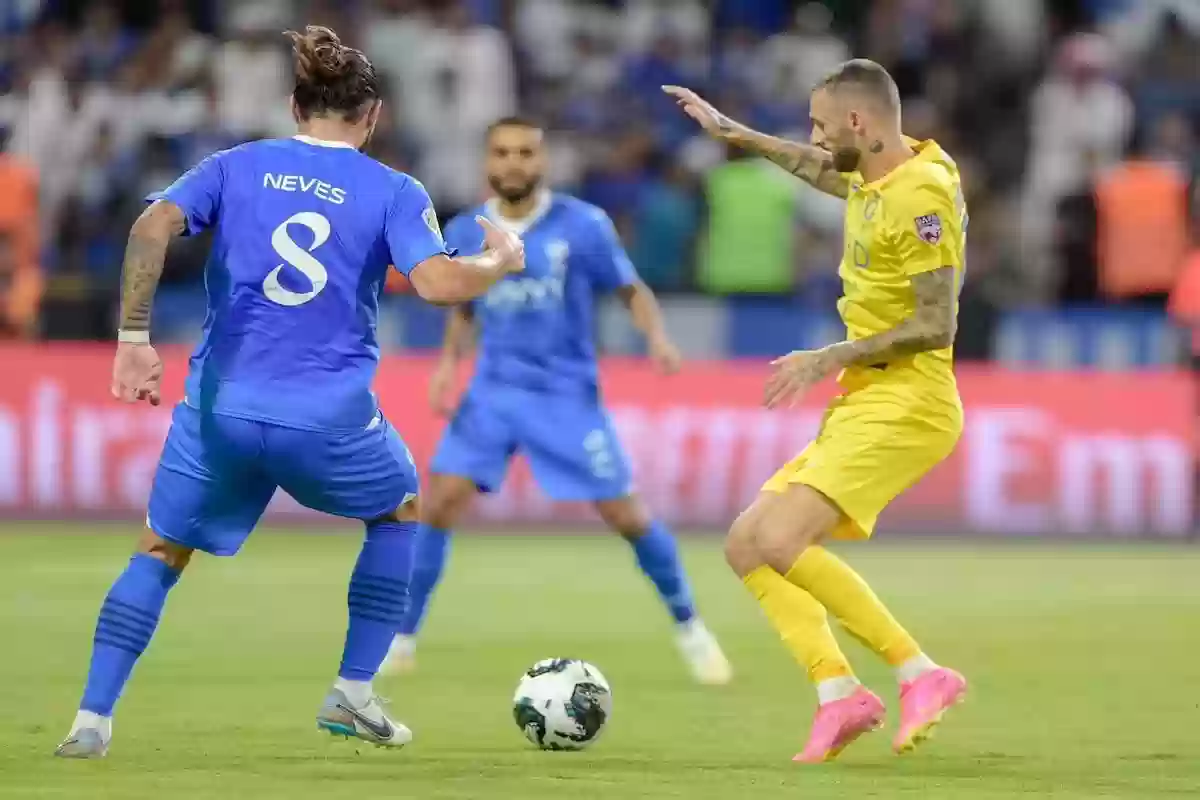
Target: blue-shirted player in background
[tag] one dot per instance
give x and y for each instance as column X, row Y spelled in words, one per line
column 535, row 386
column 279, row 389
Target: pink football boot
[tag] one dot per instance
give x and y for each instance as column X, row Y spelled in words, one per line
column 837, row 724
column 923, row 703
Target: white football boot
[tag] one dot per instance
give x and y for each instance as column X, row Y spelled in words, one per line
column 89, row 737
column 704, row 657
column 401, row 658
column 340, row 717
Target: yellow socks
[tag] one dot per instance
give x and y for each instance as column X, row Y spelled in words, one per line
column 801, row 622
column 830, row 582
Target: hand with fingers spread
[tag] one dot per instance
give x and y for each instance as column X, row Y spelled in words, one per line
column 504, row 247
column 137, row 374
column 797, row 373
column 713, row 121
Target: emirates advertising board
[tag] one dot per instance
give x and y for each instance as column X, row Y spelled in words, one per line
column 1079, row 454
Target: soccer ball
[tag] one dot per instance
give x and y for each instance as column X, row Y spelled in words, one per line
column 562, row 704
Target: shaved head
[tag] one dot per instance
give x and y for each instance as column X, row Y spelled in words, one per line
column 854, row 108
column 868, row 80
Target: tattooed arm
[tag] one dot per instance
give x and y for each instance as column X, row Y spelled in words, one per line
column 145, row 255
column 931, row 326
column 809, row 163
column 137, row 369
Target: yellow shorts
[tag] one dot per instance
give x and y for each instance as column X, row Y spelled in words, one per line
column 865, row 455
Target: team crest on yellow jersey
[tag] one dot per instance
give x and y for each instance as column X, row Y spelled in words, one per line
column 929, row 228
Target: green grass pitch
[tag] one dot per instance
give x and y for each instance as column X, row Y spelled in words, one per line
column 1084, row 666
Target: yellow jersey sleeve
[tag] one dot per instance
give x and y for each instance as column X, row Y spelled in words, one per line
column 927, row 228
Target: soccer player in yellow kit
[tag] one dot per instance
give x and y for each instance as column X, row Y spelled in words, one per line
column 899, row 415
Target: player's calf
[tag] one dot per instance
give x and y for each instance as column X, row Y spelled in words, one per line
column 657, row 555
column 126, row 623
column 444, row 503
column 377, row 600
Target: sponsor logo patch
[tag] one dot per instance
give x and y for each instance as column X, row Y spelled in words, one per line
column 929, row 228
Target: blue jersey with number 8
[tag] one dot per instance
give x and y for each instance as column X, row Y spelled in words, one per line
column 304, row 232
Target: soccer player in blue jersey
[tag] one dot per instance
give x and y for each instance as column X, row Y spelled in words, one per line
column 279, row 389
column 535, row 386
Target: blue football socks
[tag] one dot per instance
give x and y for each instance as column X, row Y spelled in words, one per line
column 658, row 556
column 432, row 550
column 378, row 597
column 126, row 624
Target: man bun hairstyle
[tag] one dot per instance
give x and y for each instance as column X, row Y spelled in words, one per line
column 331, row 77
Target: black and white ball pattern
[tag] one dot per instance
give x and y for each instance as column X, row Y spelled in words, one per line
column 562, row 704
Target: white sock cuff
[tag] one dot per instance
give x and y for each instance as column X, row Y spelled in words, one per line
column 914, row 668
column 833, row 689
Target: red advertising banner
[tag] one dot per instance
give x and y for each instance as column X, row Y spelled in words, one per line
column 1042, row 453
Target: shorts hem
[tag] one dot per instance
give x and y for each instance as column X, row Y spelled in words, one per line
column 595, row 497
column 483, row 487
column 848, row 528
column 222, row 553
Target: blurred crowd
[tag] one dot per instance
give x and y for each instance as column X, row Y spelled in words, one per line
column 1075, row 123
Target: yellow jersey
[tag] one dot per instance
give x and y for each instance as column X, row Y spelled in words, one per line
column 912, row 220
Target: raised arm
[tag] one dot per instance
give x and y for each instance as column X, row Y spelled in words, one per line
column 809, row 163
column 419, row 252
column 446, row 280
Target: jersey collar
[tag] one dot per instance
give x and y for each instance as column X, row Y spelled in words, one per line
column 300, row 137
column 923, row 150
column 519, row 226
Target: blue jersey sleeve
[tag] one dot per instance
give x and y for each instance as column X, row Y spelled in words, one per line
column 413, row 234
column 608, row 264
column 197, row 192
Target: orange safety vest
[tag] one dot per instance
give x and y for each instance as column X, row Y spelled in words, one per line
column 19, row 221
column 1142, row 228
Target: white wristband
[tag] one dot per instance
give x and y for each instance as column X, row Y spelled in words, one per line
column 133, row 337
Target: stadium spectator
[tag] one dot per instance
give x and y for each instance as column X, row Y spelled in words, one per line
column 104, row 104
column 462, row 81
column 749, row 243
column 1168, row 73
column 1080, row 123
column 103, row 44
column 1141, row 210
column 20, row 274
column 1184, row 305
column 800, row 56
column 251, row 72
column 665, row 220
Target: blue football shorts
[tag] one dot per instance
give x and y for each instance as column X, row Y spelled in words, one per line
column 568, row 440
column 218, row 473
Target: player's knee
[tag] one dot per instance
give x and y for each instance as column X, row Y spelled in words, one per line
column 626, row 516
column 175, row 556
column 742, row 556
column 741, row 549
column 446, row 501
column 781, row 540
column 409, row 511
